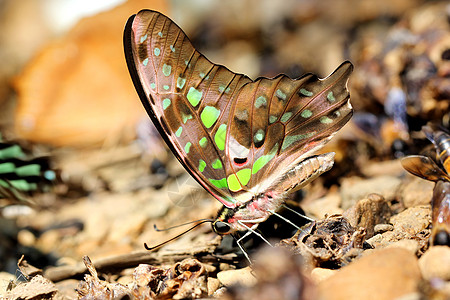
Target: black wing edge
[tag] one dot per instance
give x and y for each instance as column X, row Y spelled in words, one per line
column 127, row 40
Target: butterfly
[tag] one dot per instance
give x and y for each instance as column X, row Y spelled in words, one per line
column 20, row 176
column 425, row 167
column 249, row 143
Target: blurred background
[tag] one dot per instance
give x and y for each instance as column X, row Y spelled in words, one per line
column 68, row 104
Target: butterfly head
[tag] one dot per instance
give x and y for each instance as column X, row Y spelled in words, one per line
column 222, row 224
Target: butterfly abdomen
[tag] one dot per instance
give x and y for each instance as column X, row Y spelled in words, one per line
column 440, row 203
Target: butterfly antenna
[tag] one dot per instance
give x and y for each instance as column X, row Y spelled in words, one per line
column 179, row 225
column 175, row 237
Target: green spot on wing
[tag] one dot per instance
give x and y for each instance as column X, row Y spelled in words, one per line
column 209, row 116
column 217, row 164
column 166, row 87
column 203, row 141
column 305, row 92
column 244, row 175
column 187, row 147
column 241, row 178
column 179, row 131
column 160, row 34
column 280, row 94
column 153, row 85
column 7, row 168
column 180, row 82
column 201, row 165
column 29, row 170
column 23, row 185
column 220, row 183
column 143, row 38
column 330, row 97
column 306, row 113
column 222, row 89
column 13, row 151
column 185, row 118
column 260, row 101
column 263, row 160
column 167, row 69
column 145, row 62
column 157, row 51
column 50, row 175
column 290, row 139
column 172, row 48
column 194, row 96
column 219, row 137
column 166, row 103
column 325, row 120
column 286, row 116
column 233, row 183
column 272, row 119
column 259, row 136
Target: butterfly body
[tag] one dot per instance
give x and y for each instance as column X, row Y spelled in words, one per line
column 249, row 143
column 262, row 205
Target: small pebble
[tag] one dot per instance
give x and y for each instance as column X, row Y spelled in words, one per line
column 320, row 274
column 386, row 273
column 381, row 228
column 242, row 276
column 410, row 245
column 435, row 263
column 213, row 285
column 26, row 238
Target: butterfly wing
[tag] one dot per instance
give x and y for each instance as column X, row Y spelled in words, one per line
column 286, row 121
column 187, row 97
column 229, row 132
column 424, row 167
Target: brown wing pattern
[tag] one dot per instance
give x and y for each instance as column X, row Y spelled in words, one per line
column 229, row 132
column 285, row 121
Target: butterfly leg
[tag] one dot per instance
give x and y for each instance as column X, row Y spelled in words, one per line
column 251, row 230
column 283, row 218
column 297, row 213
column 242, row 249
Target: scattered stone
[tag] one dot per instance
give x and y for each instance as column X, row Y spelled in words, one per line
column 411, row 221
column 386, row 273
column 369, row 212
column 279, row 275
column 242, row 276
column 353, row 189
column 410, row 245
column 26, row 238
column 435, row 263
column 67, row 288
column 375, row 241
column 417, row 192
column 381, row 228
column 213, row 285
column 320, row 274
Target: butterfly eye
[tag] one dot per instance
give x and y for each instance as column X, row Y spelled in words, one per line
column 220, row 227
